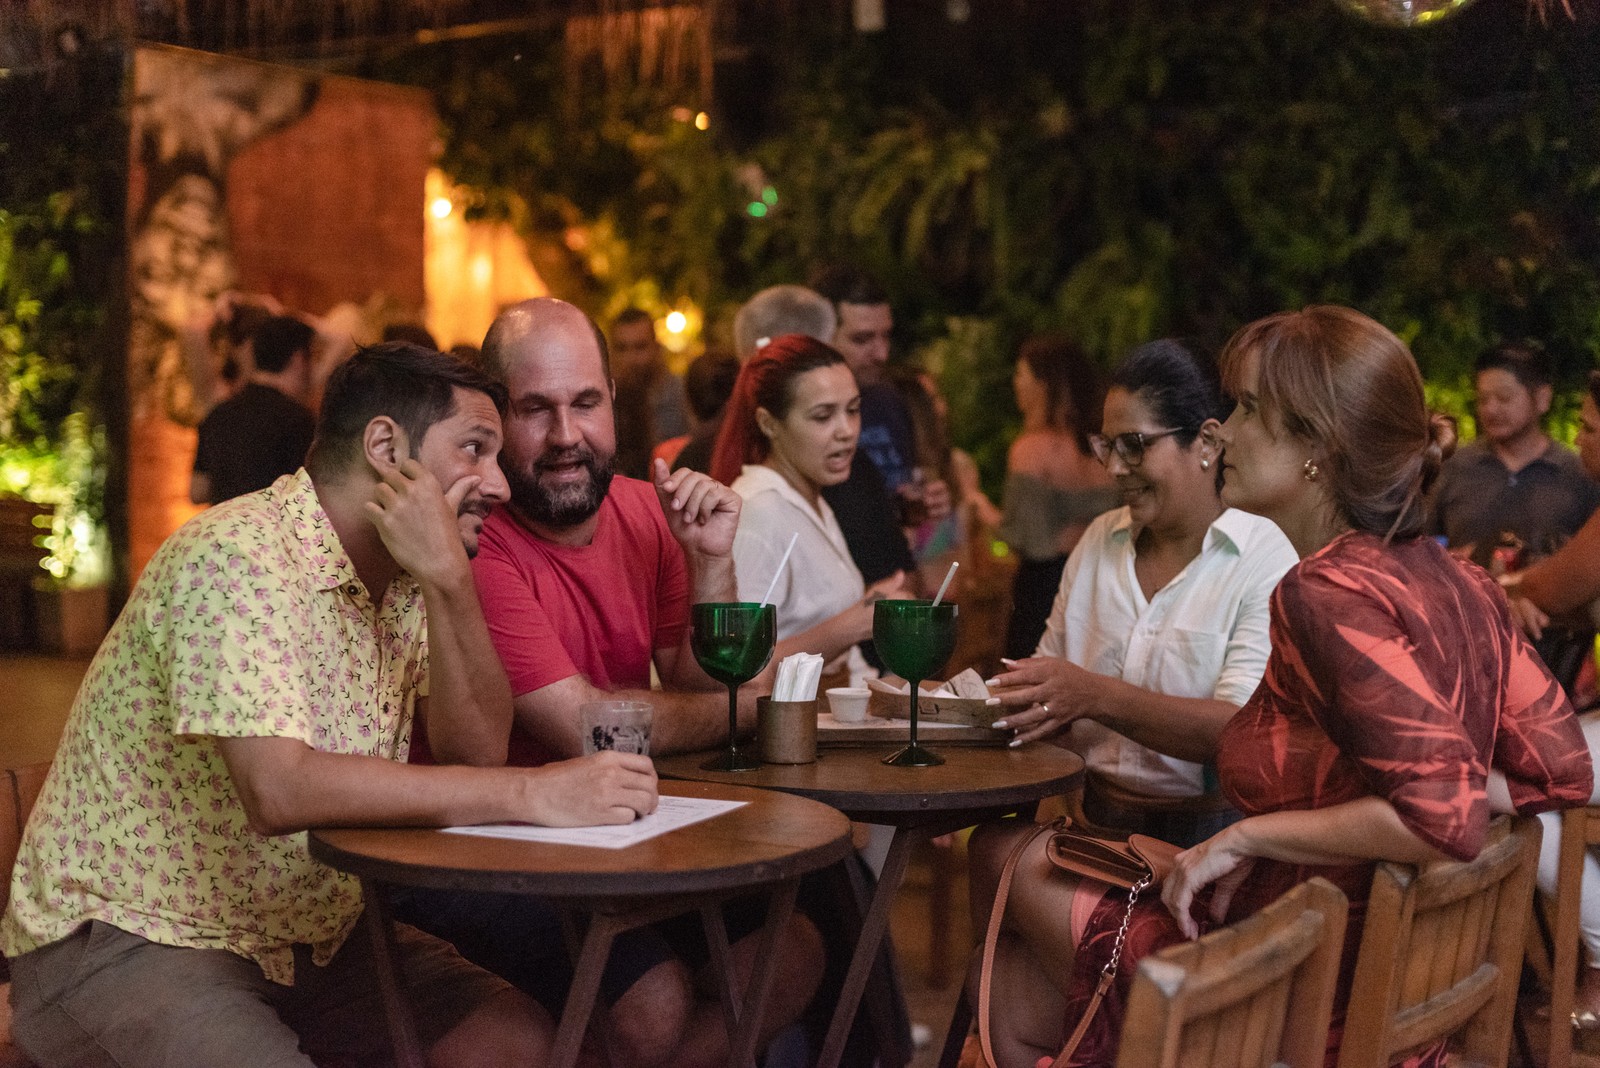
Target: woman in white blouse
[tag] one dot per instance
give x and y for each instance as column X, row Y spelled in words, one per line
column 790, row 429
column 1159, row 630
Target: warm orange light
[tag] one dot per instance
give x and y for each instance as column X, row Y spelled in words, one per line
column 441, row 207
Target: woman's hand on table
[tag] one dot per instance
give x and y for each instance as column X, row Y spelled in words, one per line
column 1220, row 859
column 1042, row 696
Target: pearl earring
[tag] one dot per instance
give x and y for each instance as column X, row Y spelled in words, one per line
column 1205, row 465
column 1311, row 471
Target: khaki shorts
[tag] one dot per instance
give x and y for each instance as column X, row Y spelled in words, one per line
column 103, row 997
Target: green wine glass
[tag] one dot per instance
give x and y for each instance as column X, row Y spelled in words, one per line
column 914, row 639
column 732, row 641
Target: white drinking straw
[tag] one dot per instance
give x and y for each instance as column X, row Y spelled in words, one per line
column 945, row 585
column 774, row 584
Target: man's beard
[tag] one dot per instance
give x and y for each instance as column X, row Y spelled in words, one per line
column 569, row 505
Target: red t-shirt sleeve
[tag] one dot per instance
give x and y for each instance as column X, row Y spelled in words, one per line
column 672, row 588
column 529, row 646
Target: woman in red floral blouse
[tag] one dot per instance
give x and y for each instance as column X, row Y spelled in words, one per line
column 1396, row 678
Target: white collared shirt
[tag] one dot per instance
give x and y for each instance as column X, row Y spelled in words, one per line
column 1203, row 635
column 820, row 581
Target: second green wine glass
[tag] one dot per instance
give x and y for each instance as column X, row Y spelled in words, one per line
column 914, row 639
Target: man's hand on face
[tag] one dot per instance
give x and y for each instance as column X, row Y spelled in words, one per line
column 701, row 512
column 417, row 519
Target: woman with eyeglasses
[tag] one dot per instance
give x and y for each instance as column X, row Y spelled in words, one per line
column 1159, row 628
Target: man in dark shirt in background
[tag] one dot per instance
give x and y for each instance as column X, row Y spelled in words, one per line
column 261, row 433
column 885, row 468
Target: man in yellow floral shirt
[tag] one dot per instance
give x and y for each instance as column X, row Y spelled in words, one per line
column 263, row 679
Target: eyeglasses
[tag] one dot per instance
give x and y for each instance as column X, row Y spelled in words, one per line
column 1129, row 447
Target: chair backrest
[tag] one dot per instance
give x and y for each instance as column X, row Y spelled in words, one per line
column 1441, row 954
column 19, row 788
column 1252, row 995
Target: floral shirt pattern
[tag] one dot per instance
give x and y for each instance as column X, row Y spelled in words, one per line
column 249, row 622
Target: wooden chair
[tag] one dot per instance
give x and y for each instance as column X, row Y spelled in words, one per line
column 19, row 788
column 1441, row 954
column 1255, row 994
column 1580, row 829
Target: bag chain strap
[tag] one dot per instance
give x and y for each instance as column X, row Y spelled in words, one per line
column 992, row 936
column 1110, row 970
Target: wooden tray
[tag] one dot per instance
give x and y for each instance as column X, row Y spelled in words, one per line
column 877, row 731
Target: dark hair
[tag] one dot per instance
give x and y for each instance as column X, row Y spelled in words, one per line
column 765, row 381
column 845, row 283
column 277, row 340
column 1180, row 387
column 412, row 385
column 1072, row 389
column 629, row 316
column 1523, row 360
column 241, row 324
column 412, row 333
column 930, row 437
column 1350, row 389
column 709, row 383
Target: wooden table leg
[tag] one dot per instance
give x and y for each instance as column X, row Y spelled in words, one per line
column 721, row 964
column 396, row 1006
column 572, row 929
column 866, row 951
column 883, row 999
column 1564, row 954
column 591, row 964
column 742, row 1043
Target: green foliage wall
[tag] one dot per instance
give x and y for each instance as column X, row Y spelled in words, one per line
column 62, row 183
column 1118, row 169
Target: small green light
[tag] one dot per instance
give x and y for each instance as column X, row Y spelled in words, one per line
column 757, row 209
column 769, row 196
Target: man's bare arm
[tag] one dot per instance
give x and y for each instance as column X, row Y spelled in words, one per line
column 286, row 786
column 680, row 723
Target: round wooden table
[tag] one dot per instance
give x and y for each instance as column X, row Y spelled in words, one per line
column 767, row 843
column 975, row 784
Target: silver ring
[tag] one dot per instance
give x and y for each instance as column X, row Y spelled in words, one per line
column 1045, row 705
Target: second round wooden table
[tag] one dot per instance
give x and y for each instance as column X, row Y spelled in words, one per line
column 975, row 784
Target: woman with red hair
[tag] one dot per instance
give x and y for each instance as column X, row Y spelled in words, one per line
column 790, row 429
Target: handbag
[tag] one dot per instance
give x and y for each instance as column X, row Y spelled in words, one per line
column 1135, row 865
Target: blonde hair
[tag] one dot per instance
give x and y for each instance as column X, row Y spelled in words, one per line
column 1350, row 388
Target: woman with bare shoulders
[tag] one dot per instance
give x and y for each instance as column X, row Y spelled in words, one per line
column 1054, row 485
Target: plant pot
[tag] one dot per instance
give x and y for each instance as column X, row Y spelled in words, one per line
column 72, row 619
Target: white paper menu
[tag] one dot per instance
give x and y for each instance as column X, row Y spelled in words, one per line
column 670, row 814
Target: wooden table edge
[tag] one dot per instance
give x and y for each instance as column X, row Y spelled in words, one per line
column 616, row 885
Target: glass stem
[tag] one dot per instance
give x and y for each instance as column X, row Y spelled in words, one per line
column 733, row 718
column 914, row 686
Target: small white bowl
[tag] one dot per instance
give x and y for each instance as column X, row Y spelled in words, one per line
column 849, row 703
